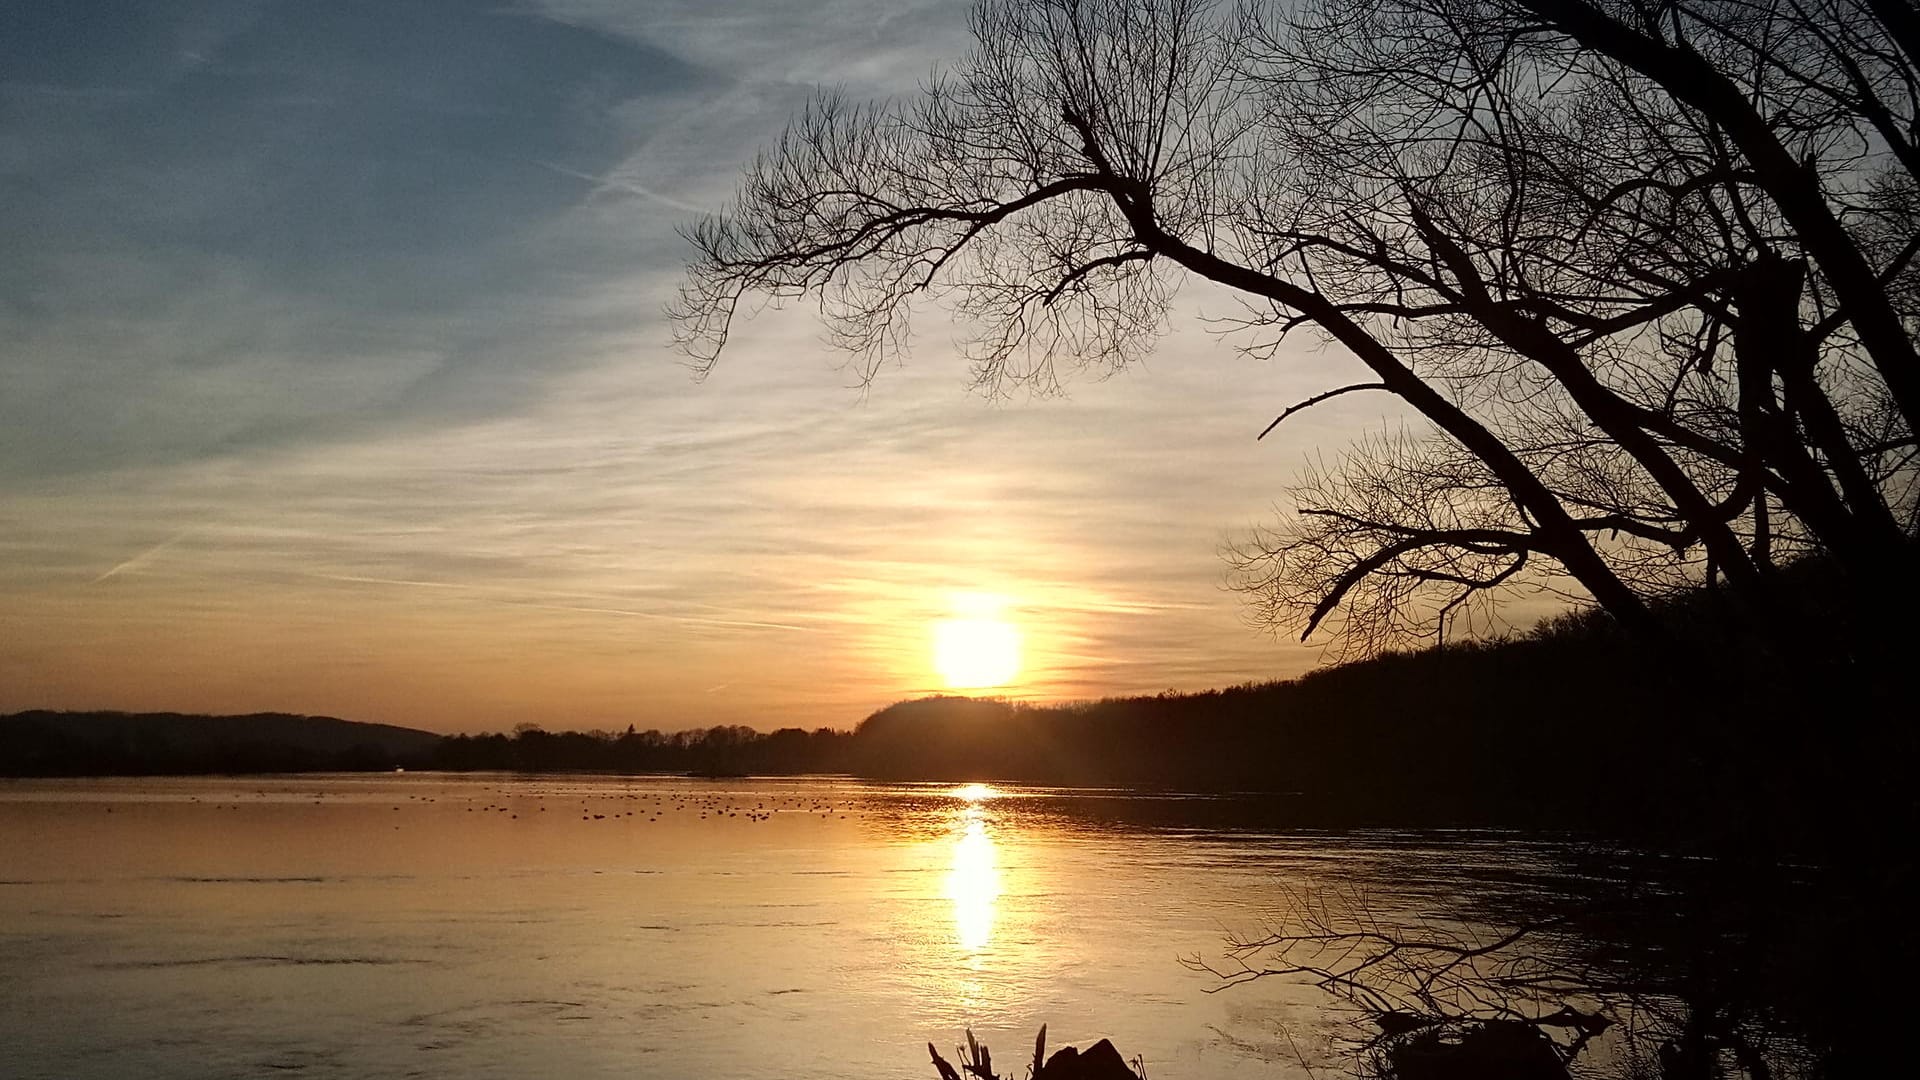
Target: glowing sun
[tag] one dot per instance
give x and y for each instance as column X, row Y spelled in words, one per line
column 975, row 652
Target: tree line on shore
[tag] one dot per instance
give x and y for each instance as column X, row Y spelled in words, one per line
column 1575, row 723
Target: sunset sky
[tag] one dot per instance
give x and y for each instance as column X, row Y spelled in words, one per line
column 336, row 381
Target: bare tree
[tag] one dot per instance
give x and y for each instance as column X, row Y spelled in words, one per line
column 1406, row 532
column 1538, row 223
column 1647, row 349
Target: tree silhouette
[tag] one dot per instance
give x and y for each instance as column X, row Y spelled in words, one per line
column 1644, row 269
column 1628, row 298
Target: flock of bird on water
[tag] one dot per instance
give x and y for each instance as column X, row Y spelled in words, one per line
column 713, row 806
column 708, row 806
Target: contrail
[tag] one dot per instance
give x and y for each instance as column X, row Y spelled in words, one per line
column 143, row 558
column 603, row 182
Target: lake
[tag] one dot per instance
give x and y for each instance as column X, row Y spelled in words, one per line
column 581, row 927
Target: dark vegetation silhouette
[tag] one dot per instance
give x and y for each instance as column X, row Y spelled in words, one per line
column 715, row 751
column 1101, row 1061
column 49, row 743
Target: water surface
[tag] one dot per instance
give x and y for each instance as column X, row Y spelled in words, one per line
column 584, row 927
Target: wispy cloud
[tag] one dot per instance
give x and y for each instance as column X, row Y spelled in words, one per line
column 419, row 382
column 516, row 599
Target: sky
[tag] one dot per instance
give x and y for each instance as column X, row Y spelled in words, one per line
column 334, row 379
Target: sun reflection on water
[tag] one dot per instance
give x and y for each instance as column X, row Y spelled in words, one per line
column 974, row 882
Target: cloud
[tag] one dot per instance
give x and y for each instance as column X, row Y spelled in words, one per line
column 364, row 298
column 229, row 224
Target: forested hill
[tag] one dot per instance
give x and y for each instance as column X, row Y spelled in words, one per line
column 1725, row 719
column 46, row 743
column 1573, row 723
column 1536, row 731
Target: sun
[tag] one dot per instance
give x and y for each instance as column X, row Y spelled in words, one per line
column 976, row 651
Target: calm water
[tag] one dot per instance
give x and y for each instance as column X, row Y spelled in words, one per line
column 426, row 925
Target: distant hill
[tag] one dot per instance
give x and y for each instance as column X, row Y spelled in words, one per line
column 1573, row 724
column 47, row 743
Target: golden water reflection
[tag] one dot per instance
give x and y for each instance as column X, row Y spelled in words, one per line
column 973, row 884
